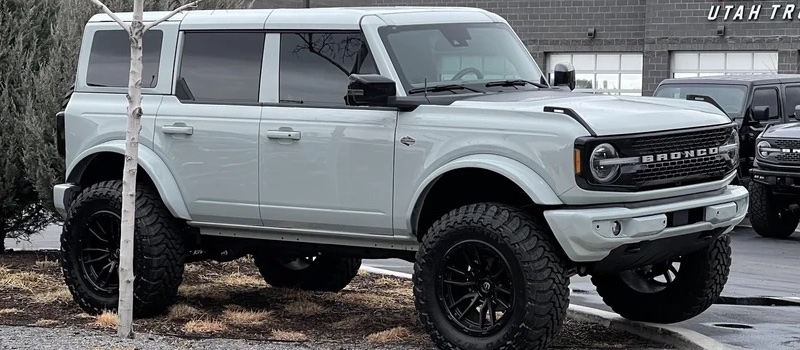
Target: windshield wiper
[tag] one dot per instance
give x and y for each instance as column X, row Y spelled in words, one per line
column 445, row 87
column 514, row 82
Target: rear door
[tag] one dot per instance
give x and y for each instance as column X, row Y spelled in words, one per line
column 207, row 130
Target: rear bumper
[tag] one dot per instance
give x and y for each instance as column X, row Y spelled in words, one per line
column 63, row 195
column 586, row 234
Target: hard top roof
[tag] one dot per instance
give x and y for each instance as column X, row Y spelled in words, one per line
column 328, row 17
column 737, row 79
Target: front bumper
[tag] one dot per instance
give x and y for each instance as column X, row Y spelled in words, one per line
column 778, row 179
column 63, row 195
column 586, row 234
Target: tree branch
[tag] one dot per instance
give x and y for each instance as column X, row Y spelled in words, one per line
column 173, row 13
column 112, row 15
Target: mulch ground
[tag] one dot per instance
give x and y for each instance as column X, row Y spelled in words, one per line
column 231, row 300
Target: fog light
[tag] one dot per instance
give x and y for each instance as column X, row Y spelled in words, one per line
column 616, row 227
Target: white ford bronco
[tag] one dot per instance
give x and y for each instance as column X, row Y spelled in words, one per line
column 310, row 139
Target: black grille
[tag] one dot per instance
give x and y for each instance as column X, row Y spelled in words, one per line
column 790, row 157
column 786, row 143
column 690, row 170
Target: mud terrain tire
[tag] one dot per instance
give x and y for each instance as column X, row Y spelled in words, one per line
column 766, row 215
column 328, row 273
column 697, row 284
column 479, row 240
column 94, row 223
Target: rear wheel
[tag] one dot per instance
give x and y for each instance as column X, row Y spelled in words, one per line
column 671, row 291
column 769, row 216
column 90, row 250
column 321, row 272
column 487, row 276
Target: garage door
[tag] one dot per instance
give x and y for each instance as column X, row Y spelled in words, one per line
column 606, row 73
column 693, row 64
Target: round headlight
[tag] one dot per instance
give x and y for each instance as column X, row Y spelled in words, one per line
column 760, row 147
column 603, row 173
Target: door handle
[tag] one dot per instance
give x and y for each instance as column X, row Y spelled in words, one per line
column 177, row 129
column 281, row 134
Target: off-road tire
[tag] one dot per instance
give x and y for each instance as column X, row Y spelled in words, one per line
column 328, row 273
column 159, row 252
column 765, row 212
column 699, row 282
column 540, row 283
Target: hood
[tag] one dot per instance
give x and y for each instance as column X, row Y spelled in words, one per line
column 782, row 131
column 607, row 114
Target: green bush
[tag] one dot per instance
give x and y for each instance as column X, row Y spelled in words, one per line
column 39, row 45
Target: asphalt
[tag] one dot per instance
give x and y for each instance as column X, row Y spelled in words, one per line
column 761, row 267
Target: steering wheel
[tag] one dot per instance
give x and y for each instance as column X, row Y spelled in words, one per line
column 466, row 71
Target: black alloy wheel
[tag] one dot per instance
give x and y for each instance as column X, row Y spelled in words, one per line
column 477, row 289
column 99, row 252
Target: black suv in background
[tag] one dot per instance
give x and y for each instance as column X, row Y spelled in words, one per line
column 775, row 185
column 752, row 100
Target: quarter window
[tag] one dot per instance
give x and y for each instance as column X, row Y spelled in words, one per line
column 315, row 67
column 110, row 58
column 221, row 67
column 767, row 97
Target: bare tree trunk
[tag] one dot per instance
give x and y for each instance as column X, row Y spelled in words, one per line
column 126, row 276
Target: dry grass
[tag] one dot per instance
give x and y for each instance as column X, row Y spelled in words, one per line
column 368, row 300
column 182, row 311
column 43, row 264
column 107, row 320
column 28, row 281
column 396, row 334
column 280, row 335
column 45, row 323
column 60, row 294
column 10, row 311
column 351, row 322
column 391, row 283
column 304, row 308
column 239, row 316
column 237, row 279
column 204, row 327
column 203, row 291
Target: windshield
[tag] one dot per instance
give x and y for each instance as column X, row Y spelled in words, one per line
column 730, row 97
column 470, row 54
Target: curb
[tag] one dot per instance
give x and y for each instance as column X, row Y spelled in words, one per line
column 679, row 337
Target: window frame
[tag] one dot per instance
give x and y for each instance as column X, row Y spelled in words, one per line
column 778, row 97
column 127, row 61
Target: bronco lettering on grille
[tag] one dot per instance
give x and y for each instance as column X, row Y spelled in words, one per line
column 661, row 157
column 790, row 150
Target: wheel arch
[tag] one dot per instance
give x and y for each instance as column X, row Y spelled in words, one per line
column 511, row 181
column 92, row 166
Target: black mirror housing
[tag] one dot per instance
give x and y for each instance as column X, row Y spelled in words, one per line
column 564, row 75
column 760, row 113
column 370, row 90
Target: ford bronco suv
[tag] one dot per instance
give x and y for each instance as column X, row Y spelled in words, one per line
column 310, row 139
column 745, row 98
column 775, row 186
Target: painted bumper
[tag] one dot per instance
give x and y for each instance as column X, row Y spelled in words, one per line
column 586, row 234
column 63, row 194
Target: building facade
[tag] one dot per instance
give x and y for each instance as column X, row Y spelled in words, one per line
column 630, row 46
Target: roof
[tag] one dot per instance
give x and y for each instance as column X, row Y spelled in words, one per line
column 324, row 17
column 737, row 79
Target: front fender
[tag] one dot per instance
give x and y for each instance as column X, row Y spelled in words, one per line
column 152, row 164
column 526, row 178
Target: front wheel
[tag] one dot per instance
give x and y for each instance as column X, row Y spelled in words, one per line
column 90, row 250
column 487, row 276
column 768, row 216
column 672, row 291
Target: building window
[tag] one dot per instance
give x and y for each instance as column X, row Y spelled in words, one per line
column 315, row 67
column 221, row 67
column 699, row 64
column 604, row 73
column 110, row 58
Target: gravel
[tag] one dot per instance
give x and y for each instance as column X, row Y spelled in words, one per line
column 22, row 337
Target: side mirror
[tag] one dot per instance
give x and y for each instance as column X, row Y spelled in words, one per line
column 564, row 75
column 370, row 90
column 761, row 113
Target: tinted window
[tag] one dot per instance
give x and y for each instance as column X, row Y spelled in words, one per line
column 767, row 97
column 730, row 97
column 792, row 98
column 221, row 67
column 315, row 67
column 110, row 58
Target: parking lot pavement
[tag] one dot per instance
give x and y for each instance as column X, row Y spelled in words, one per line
column 761, row 267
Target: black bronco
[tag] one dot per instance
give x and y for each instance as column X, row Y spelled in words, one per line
column 754, row 101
